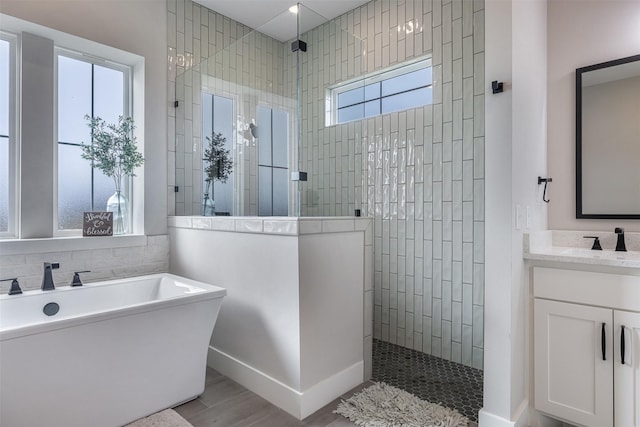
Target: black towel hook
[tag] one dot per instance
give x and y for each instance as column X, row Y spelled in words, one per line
column 544, row 192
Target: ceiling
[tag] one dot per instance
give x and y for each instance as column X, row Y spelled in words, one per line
column 272, row 17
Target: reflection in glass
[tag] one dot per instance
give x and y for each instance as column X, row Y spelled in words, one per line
column 4, row 87
column 405, row 100
column 4, row 135
column 74, row 100
column 217, row 117
column 273, row 147
column 4, row 184
column 347, row 114
column 263, row 76
column 108, row 96
column 74, row 187
column 265, row 190
column 406, row 82
column 280, row 192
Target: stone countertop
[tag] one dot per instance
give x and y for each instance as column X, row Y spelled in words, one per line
column 571, row 247
column 288, row 226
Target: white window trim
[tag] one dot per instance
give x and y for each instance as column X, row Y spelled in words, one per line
column 332, row 92
column 128, row 98
column 14, row 136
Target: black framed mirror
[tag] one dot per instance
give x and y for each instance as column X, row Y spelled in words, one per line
column 608, row 140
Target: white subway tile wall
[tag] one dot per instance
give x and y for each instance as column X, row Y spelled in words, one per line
column 419, row 173
column 105, row 264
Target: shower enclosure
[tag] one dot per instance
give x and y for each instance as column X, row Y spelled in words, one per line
column 417, row 173
column 265, row 98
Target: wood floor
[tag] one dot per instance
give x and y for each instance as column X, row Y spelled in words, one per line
column 225, row 403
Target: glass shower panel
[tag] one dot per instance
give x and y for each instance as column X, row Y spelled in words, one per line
column 259, row 75
column 236, row 81
column 280, row 193
column 333, row 156
column 265, row 196
column 280, row 138
column 264, row 136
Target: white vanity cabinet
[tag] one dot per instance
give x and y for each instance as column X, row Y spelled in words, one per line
column 580, row 319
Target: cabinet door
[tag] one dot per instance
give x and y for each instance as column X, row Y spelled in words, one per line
column 627, row 375
column 573, row 381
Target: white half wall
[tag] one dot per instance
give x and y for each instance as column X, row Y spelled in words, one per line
column 292, row 326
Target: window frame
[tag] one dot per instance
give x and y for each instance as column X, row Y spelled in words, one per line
column 127, row 185
column 333, row 92
column 14, row 135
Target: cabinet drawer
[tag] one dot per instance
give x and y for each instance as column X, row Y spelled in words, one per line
column 617, row 291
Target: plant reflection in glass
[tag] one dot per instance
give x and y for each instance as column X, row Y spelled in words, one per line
column 218, row 166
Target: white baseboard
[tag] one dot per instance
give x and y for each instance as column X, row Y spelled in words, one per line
column 487, row 419
column 300, row 404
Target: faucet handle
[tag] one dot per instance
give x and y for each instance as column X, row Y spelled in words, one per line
column 76, row 277
column 15, row 286
column 596, row 243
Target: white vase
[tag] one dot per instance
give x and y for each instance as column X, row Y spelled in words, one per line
column 119, row 205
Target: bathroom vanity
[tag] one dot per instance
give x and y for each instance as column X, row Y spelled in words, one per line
column 586, row 330
column 296, row 327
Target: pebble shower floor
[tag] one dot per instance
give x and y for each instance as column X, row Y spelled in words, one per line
column 430, row 378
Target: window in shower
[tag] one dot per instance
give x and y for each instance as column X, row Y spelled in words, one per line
column 273, row 173
column 393, row 89
column 7, row 133
column 86, row 86
column 217, row 117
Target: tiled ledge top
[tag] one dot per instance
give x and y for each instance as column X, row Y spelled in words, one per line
column 290, row 226
column 562, row 246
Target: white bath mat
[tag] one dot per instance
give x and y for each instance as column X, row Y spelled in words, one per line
column 166, row 418
column 382, row 405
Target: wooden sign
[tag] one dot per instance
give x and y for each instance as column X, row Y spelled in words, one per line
column 97, row 224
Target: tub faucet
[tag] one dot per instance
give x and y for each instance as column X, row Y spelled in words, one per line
column 620, row 246
column 47, row 278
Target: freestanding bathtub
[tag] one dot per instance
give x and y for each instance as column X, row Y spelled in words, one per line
column 115, row 351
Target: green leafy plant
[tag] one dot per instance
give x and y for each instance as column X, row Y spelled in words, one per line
column 218, row 163
column 113, row 149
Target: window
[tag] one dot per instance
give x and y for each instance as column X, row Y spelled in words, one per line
column 8, row 172
column 396, row 89
column 96, row 88
column 217, row 116
column 273, row 175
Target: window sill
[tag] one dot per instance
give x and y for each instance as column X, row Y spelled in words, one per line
column 64, row 244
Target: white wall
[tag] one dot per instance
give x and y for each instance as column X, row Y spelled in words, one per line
column 138, row 27
column 515, row 133
column 580, row 33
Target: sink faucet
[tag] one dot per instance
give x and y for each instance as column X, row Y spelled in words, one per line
column 47, row 278
column 620, row 246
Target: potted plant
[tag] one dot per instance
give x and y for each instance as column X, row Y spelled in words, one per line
column 113, row 151
column 218, row 166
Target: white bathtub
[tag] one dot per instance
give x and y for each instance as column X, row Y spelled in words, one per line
column 116, row 351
